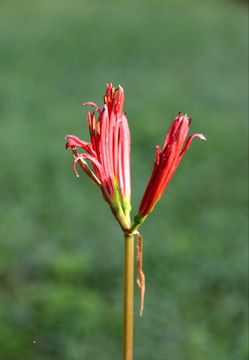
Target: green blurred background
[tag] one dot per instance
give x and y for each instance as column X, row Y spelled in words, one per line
column 61, row 255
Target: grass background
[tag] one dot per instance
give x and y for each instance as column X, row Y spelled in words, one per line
column 61, row 254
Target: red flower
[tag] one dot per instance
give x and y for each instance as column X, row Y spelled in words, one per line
column 166, row 163
column 109, row 152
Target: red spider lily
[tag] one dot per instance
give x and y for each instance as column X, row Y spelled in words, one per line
column 166, row 163
column 109, row 152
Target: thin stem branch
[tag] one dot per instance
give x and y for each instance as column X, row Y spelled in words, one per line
column 128, row 297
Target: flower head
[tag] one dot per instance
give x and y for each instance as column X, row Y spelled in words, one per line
column 166, row 163
column 108, row 152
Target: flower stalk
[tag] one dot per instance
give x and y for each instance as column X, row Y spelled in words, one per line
column 128, row 297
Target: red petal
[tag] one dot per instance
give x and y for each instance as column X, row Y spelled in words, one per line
column 90, row 103
column 189, row 139
column 75, row 141
column 158, row 152
column 124, row 158
column 104, row 141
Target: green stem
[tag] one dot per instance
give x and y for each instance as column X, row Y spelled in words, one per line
column 138, row 220
column 128, row 296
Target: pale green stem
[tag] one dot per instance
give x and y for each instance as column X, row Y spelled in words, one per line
column 128, row 297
